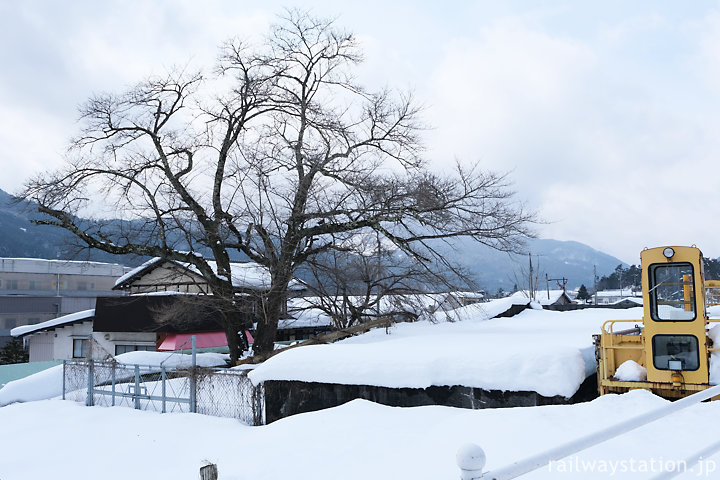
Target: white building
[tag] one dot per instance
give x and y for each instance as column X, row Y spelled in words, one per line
column 72, row 336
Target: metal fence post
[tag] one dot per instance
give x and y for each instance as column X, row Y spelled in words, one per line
column 164, row 378
column 64, row 374
column 193, row 379
column 113, row 365
column 471, row 460
column 90, row 384
column 137, row 387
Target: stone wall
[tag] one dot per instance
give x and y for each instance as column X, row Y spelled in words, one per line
column 284, row 398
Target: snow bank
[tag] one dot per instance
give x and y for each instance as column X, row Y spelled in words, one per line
column 631, row 371
column 173, row 360
column 358, row 440
column 38, row 386
column 538, row 350
column 48, row 383
column 483, row 311
column 421, row 363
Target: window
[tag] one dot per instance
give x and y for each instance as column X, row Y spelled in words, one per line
column 80, row 347
column 82, row 286
column 120, row 349
column 672, row 294
column 12, row 285
column 675, row 352
column 35, row 285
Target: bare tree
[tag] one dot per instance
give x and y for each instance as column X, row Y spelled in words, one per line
column 270, row 156
column 529, row 277
column 362, row 279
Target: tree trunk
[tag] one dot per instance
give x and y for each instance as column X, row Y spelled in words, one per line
column 235, row 324
column 232, row 341
column 268, row 324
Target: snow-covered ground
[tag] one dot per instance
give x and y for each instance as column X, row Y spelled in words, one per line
column 541, row 350
column 61, row 440
column 49, row 383
column 537, row 350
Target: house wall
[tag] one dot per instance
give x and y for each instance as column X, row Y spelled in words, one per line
column 41, row 347
column 169, row 277
column 57, row 344
column 107, row 341
column 63, row 342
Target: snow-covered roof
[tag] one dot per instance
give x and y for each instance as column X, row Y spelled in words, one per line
column 543, row 297
column 78, row 317
column 479, row 295
column 248, row 275
column 537, row 350
column 625, row 292
column 635, row 300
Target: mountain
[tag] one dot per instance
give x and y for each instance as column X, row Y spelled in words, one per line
column 20, row 238
column 572, row 260
column 490, row 269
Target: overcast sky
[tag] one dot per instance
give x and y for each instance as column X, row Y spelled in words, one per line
column 606, row 113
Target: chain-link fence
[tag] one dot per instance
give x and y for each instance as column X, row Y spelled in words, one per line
column 218, row 392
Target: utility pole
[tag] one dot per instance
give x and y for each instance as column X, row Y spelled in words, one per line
column 530, row 283
column 595, row 284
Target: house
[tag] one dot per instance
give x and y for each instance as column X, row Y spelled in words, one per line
column 453, row 300
column 72, row 336
column 611, row 297
column 128, row 320
column 164, row 277
column 546, row 298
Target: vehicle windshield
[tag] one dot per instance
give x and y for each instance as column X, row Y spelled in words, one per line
column 672, row 295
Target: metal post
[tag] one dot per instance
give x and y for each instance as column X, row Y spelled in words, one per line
column 137, row 387
column 64, row 373
column 193, row 378
column 194, row 350
column 113, row 366
column 471, row 460
column 163, row 376
column 90, row 384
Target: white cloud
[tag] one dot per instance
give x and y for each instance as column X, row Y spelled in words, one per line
column 608, row 124
column 611, row 156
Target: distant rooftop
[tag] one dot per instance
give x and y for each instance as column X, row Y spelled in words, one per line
column 63, row 267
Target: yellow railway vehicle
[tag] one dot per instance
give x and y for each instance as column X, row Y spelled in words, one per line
column 671, row 341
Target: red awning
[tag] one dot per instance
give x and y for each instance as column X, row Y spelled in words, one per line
column 177, row 341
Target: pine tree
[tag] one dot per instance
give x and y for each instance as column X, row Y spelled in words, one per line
column 13, row 352
column 583, row 293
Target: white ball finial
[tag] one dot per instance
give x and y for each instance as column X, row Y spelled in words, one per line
column 471, row 460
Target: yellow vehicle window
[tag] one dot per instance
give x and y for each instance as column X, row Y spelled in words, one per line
column 672, row 296
column 675, row 352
